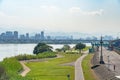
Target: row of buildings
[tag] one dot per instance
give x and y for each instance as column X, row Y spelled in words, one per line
column 12, row 36
column 9, row 35
column 15, row 37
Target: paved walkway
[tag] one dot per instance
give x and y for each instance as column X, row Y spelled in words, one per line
column 114, row 59
column 25, row 69
column 78, row 67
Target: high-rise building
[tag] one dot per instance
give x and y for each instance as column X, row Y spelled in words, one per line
column 15, row 34
column 22, row 37
column 37, row 36
column 27, row 35
column 2, row 36
column 42, row 35
column 9, row 35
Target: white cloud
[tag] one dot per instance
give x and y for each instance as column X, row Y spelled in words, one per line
column 77, row 10
column 50, row 9
column 2, row 14
column 98, row 12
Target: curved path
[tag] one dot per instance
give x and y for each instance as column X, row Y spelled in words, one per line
column 27, row 69
column 78, row 67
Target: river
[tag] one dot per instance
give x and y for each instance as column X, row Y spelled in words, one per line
column 8, row 50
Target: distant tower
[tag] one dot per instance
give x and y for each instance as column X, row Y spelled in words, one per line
column 27, row 35
column 15, row 34
column 42, row 35
column 9, row 35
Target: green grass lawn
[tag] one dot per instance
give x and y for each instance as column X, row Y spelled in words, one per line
column 86, row 65
column 52, row 69
column 47, row 70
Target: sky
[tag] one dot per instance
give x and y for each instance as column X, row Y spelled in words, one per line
column 85, row 16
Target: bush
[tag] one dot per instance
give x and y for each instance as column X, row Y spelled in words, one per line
column 25, row 57
column 39, row 56
column 71, row 52
column 42, row 47
column 47, row 55
column 12, row 67
column 2, row 70
column 3, row 75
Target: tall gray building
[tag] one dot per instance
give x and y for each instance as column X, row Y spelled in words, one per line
column 27, row 35
column 42, row 35
column 15, row 34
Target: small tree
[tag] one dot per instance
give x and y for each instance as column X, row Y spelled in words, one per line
column 58, row 50
column 42, row 47
column 66, row 47
column 80, row 46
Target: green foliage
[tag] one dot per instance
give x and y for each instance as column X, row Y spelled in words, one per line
column 2, row 71
column 80, row 46
column 58, row 50
column 39, row 56
column 86, row 48
column 46, row 70
column 47, row 55
column 65, row 47
column 71, row 52
column 25, row 57
column 88, row 74
column 42, row 47
column 3, row 75
column 12, row 67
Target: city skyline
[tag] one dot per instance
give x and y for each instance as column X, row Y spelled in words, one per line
column 88, row 16
column 14, row 35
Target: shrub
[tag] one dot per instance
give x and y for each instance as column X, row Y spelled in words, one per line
column 39, row 56
column 71, row 52
column 12, row 67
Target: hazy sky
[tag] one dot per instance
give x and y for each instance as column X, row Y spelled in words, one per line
column 60, row 15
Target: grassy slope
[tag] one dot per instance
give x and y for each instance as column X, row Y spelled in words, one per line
column 86, row 65
column 52, row 70
column 12, row 68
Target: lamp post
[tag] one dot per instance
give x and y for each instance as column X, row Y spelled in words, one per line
column 101, row 56
column 108, row 62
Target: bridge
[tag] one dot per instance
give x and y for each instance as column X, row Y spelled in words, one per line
column 74, row 41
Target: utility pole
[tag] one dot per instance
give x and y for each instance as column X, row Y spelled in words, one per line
column 101, row 56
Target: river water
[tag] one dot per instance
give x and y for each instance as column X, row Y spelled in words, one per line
column 8, row 50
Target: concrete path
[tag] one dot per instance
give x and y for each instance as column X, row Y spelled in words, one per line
column 25, row 69
column 114, row 59
column 78, row 67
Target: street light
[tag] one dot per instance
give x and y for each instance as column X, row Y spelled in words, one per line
column 108, row 62
column 101, row 56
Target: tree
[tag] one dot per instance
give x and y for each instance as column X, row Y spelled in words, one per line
column 42, row 47
column 66, row 47
column 80, row 46
column 58, row 50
